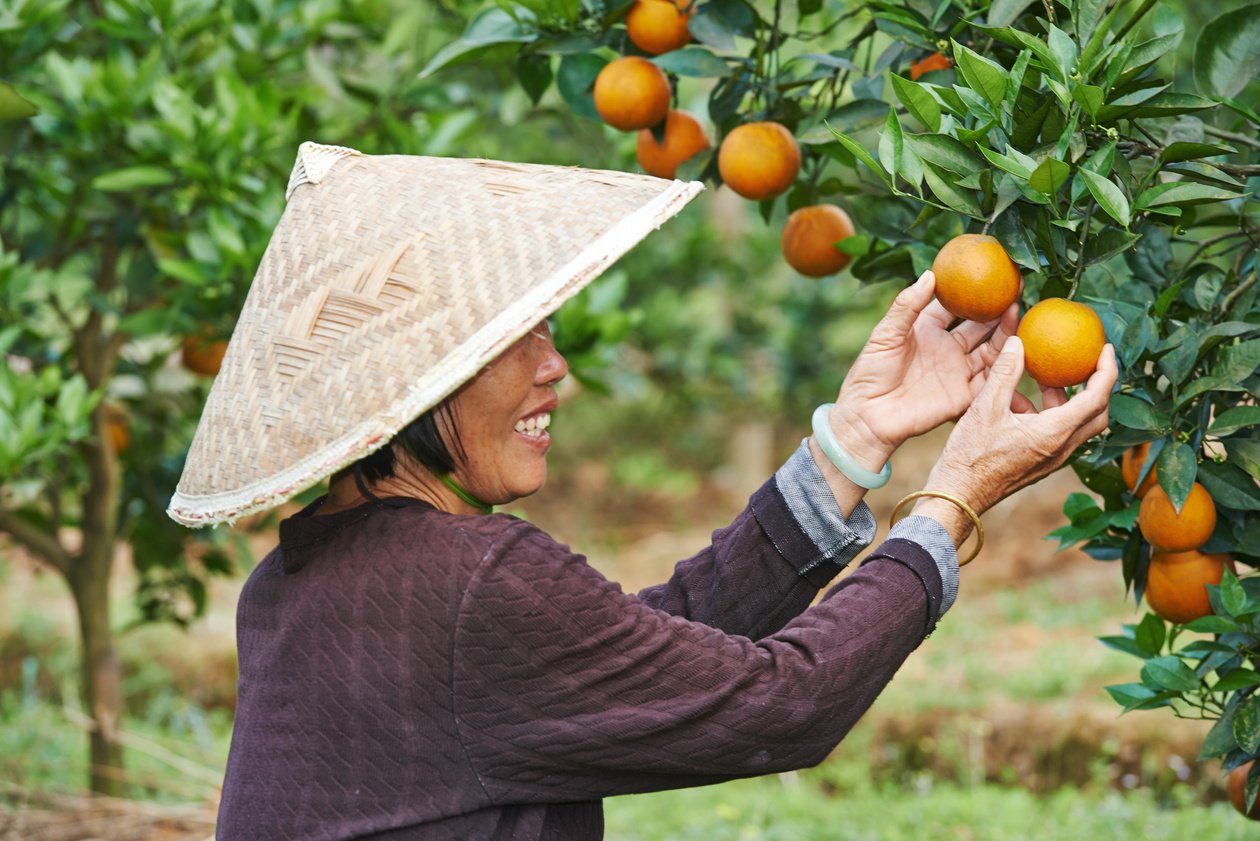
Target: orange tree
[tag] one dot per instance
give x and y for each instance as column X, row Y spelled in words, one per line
column 144, row 149
column 1056, row 128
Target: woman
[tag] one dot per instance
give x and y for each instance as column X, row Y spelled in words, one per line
column 415, row 667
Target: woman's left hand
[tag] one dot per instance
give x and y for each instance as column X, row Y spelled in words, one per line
column 915, row 373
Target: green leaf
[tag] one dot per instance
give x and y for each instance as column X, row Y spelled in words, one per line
column 1227, row 52
column 1171, row 673
column 1004, row 12
column 694, row 61
column 1238, row 678
column 575, row 80
column 862, row 154
column 1126, row 645
column 1177, row 469
column 712, row 28
column 533, row 71
column 1181, row 193
column 132, row 178
column 1247, row 724
column 941, row 183
column 1234, row 419
column 1220, row 739
column 1109, row 197
column 1211, row 625
column 1090, row 97
column 1230, row 486
column 1233, row 596
column 13, row 106
column 1049, row 176
column 1187, row 151
column 918, row 101
column 986, row 77
column 487, row 28
column 1136, row 414
column 1245, row 453
column 1107, row 244
column 1237, row 362
column 1150, row 634
column 1007, row 163
column 1134, row 696
column 1063, row 48
column 946, row 153
column 895, row 156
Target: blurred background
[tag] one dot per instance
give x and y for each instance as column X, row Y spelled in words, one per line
column 134, row 207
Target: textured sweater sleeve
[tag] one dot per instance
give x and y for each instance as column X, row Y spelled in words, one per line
column 769, row 564
column 566, row 688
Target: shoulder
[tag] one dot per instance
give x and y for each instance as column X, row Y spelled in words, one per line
column 478, row 538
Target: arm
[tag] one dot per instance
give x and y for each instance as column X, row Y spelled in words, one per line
column 771, row 562
column 568, row 689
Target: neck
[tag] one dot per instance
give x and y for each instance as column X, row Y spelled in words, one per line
column 415, row 483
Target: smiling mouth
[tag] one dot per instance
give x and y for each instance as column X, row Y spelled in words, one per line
column 534, row 426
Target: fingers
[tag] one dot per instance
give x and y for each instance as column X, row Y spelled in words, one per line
column 1021, row 405
column 905, row 308
column 999, row 390
column 1053, row 397
column 986, row 353
column 1095, row 398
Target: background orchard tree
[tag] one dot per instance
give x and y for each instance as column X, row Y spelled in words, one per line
column 146, row 146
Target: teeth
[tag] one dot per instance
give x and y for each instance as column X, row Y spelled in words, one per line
column 534, row 426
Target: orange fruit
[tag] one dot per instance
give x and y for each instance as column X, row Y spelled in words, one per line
column 936, row 61
column 1175, row 583
column 975, row 278
column 810, row 236
column 1131, row 467
column 759, row 160
column 116, row 429
column 1062, row 342
column 657, row 26
column 1165, row 529
column 203, row 356
column 1236, row 785
column 684, row 137
column 632, row 93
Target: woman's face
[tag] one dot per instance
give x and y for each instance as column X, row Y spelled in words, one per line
column 503, row 414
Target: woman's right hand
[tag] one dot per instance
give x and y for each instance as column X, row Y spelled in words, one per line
column 994, row 450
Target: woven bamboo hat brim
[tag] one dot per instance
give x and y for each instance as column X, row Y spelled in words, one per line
column 389, row 282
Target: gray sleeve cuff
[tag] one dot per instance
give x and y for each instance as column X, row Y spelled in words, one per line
column 809, row 498
column 932, row 536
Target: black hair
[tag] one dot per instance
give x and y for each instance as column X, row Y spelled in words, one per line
column 423, row 440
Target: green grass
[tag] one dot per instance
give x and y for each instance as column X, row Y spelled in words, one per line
column 769, row 809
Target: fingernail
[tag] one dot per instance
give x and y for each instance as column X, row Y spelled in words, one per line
column 1012, row 345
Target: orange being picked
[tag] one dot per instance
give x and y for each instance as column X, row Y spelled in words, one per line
column 759, row 160
column 1176, row 582
column 1131, row 467
column 1169, row 531
column 657, row 26
column 1236, row 786
column 684, row 137
column 202, row 355
column 936, row 61
column 810, row 236
column 1062, row 342
column 975, row 278
column 632, row 93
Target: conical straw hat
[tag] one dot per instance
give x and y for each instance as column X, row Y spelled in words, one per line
column 388, row 283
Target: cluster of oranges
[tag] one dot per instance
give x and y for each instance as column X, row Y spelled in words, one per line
column 757, row 160
column 1178, row 572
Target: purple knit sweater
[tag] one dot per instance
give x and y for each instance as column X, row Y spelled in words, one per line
column 411, row 674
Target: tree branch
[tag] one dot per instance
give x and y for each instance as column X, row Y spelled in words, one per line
column 47, row 547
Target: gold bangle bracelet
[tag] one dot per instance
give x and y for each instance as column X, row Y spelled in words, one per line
column 967, row 509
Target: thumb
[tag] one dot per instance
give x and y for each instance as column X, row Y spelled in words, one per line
column 905, row 308
column 999, row 389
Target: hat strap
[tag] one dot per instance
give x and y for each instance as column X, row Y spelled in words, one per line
column 449, row 481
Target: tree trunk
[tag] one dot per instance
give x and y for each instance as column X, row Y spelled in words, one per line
column 100, row 674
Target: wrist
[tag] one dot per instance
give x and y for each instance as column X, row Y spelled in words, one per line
column 856, row 435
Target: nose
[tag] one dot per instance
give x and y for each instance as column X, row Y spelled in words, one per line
column 552, row 368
